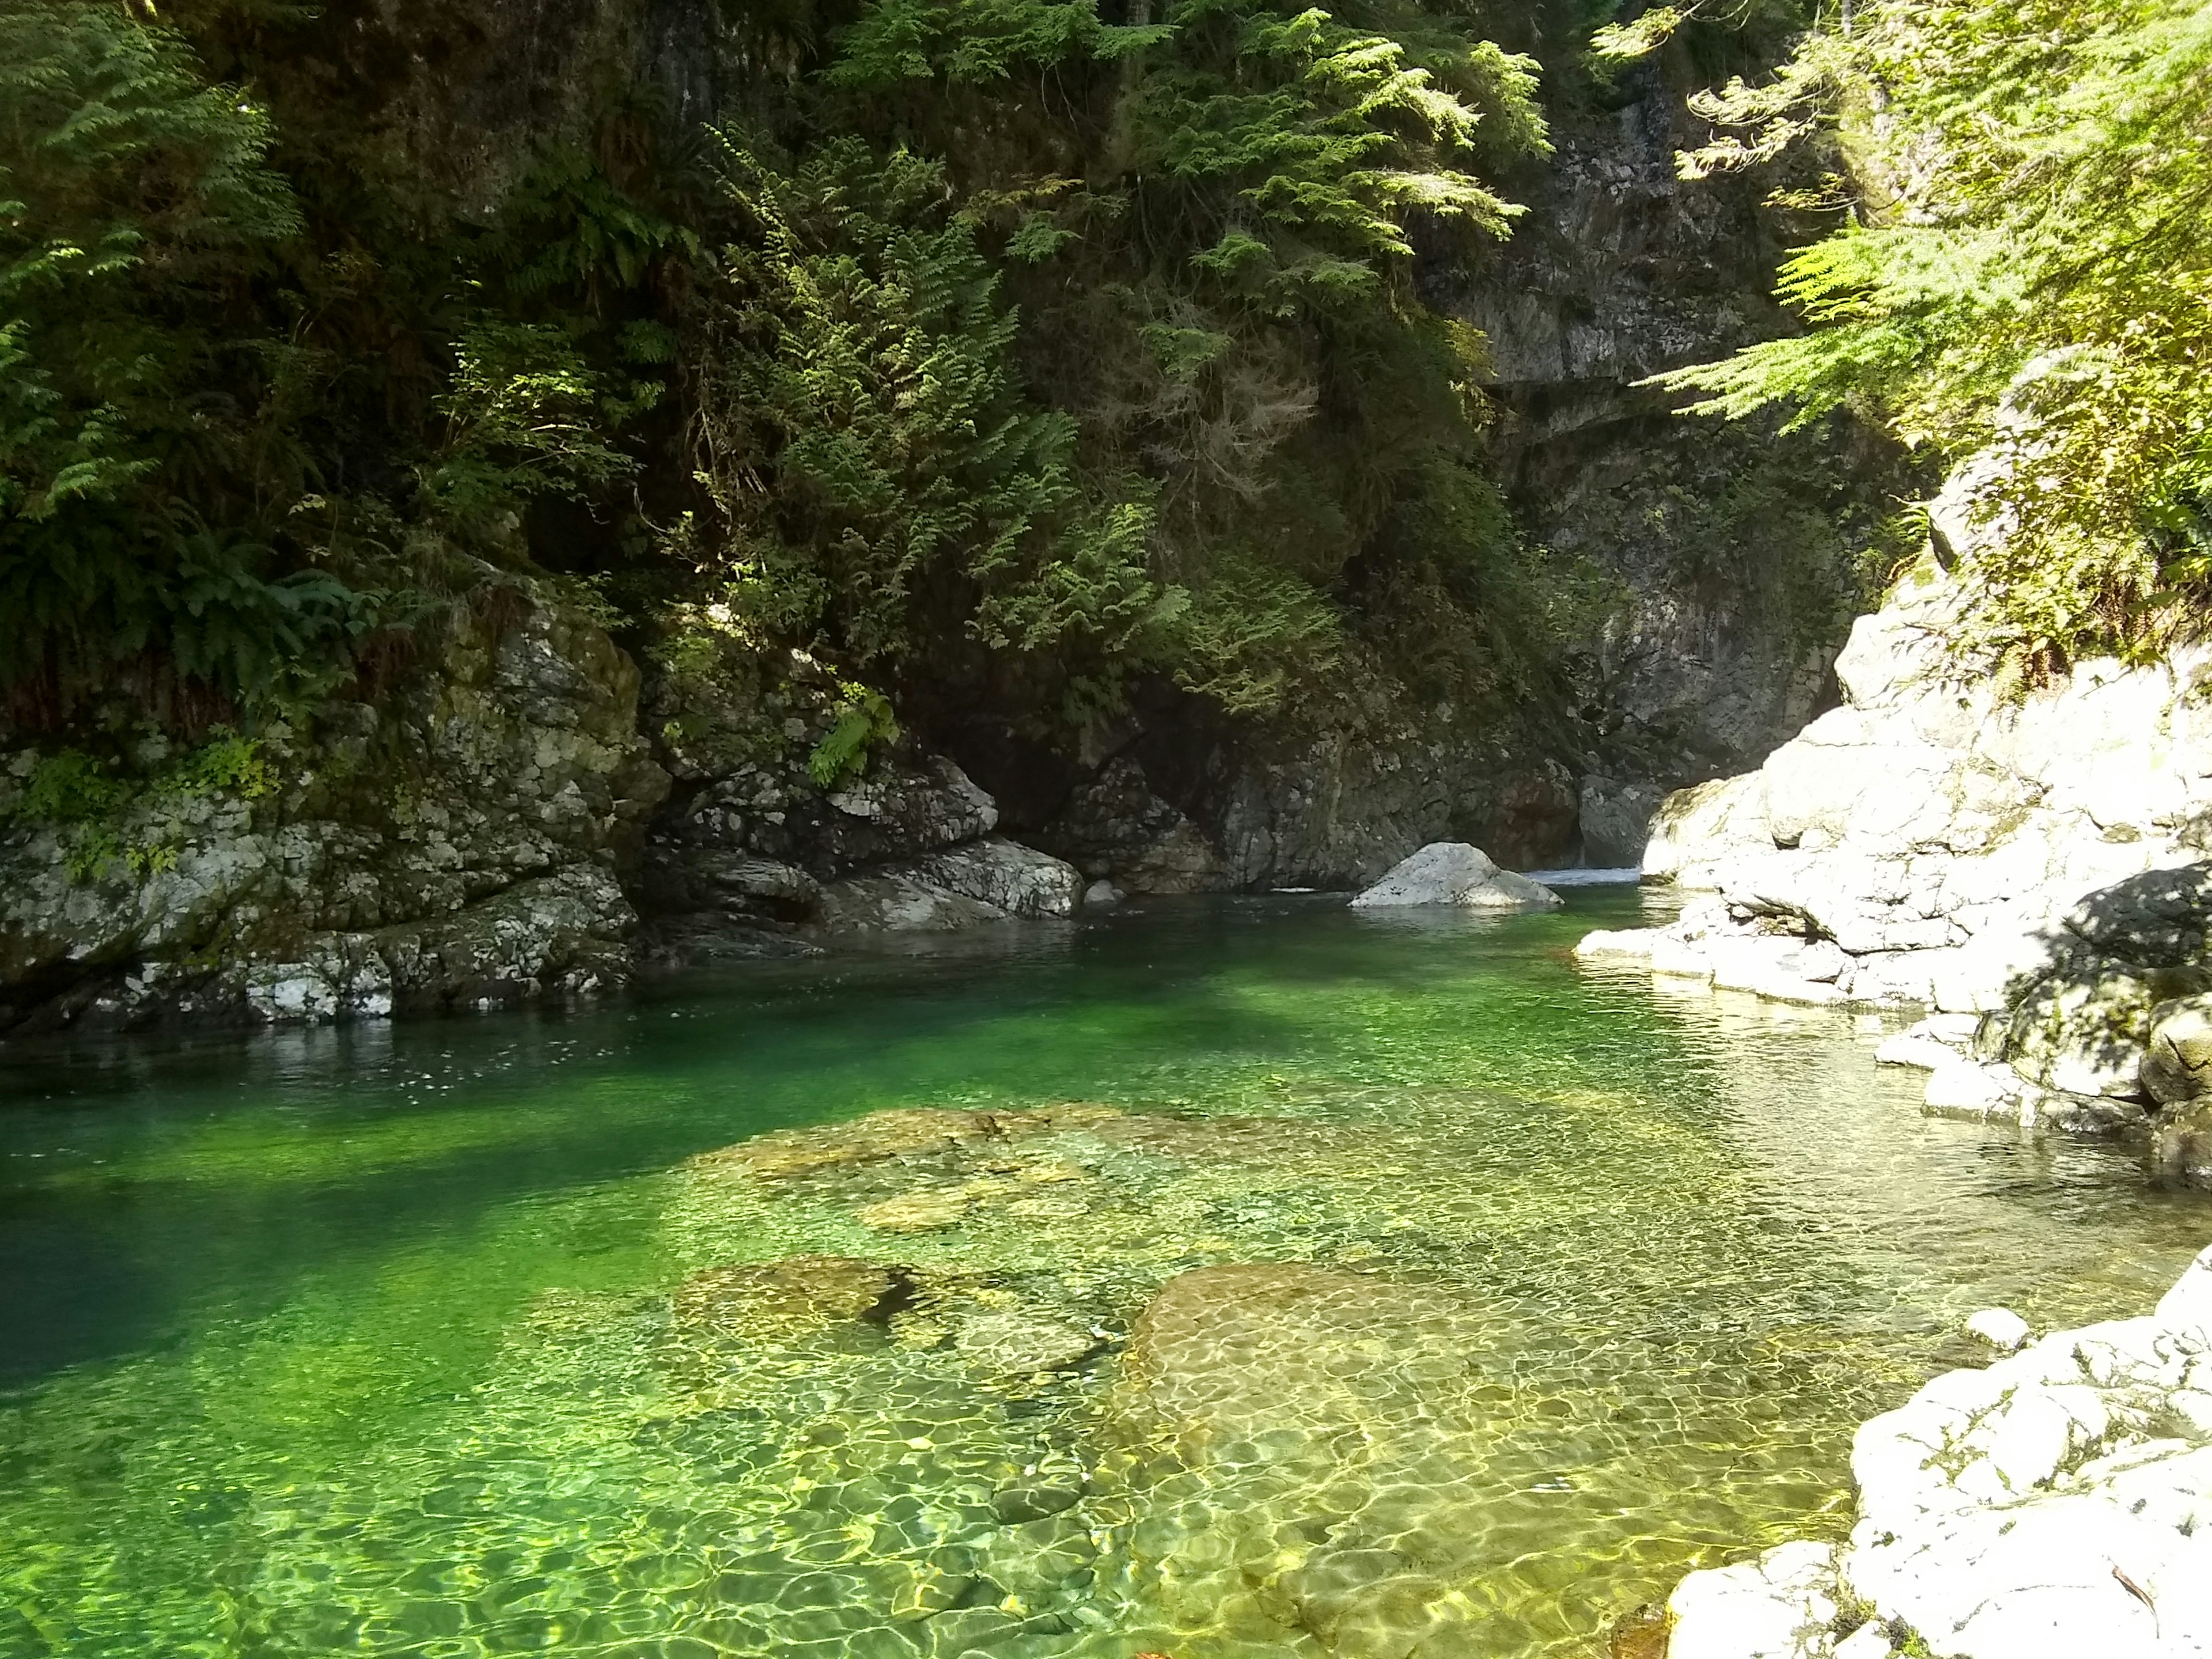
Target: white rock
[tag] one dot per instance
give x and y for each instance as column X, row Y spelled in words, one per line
column 1870, row 1641
column 1779, row 1606
column 1635, row 943
column 1964, row 1088
column 1102, row 895
column 1680, row 959
column 2188, row 1306
column 1453, row 873
column 1915, row 1048
column 2001, row 1328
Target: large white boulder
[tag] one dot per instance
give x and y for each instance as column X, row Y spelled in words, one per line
column 1454, row 872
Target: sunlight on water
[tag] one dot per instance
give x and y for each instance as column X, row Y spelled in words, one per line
column 1496, row 1295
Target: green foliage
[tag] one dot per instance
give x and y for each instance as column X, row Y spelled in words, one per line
column 134, row 197
column 1012, row 353
column 867, row 441
column 107, row 815
column 864, row 720
column 2031, row 279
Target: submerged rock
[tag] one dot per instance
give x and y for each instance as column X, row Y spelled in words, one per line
column 1453, row 873
column 1018, row 1341
column 901, row 1132
column 782, row 1301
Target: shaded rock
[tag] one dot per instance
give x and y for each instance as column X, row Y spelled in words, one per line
column 986, row 881
column 1114, row 827
column 2177, row 1063
column 2083, row 1032
column 898, row 812
column 1102, row 895
column 456, row 843
column 783, row 1301
column 1615, row 820
column 1454, row 874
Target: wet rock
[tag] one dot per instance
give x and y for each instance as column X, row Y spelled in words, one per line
column 1102, row 895
column 783, row 1301
column 1455, row 873
column 1639, row 1633
column 1630, row 944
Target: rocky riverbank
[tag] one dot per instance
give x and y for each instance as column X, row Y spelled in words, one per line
column 2026, row 862
column 2056, row 1504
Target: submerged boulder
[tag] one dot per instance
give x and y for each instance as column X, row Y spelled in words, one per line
column 1455, row 873
column 783, row 1301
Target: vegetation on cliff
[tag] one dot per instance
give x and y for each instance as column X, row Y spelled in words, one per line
column 2021, row 267
column 991, row 349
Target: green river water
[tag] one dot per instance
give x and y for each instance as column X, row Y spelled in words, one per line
column 443, row 1341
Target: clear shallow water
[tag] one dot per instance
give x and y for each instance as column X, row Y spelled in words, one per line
column 412, row 1341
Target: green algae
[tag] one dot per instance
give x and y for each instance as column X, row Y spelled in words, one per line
column 1605, row 1282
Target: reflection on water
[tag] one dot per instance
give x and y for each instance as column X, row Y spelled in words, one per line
column 1497, row 1296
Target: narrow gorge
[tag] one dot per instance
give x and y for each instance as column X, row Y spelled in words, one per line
column 1105, row 829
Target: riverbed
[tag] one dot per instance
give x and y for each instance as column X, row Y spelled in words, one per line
column 410, row 1340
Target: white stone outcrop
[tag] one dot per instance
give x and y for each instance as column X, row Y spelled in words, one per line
column 2055, row 1505
column 2033, row 854
column 1937, row 828
column 1453, row 873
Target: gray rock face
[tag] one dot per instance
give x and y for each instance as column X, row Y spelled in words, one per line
column 1454, row 874
column 1115, row 829
column 990, row 880
column 457, row 842
column 2055, row 1504
column 1336, row 810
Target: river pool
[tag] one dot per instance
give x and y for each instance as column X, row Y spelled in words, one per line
column 442, row 1339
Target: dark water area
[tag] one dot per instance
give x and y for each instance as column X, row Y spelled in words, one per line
column 387, row 1341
